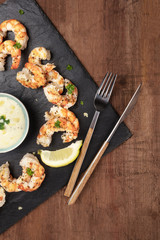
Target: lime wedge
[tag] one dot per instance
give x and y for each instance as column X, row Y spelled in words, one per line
column 61, row 157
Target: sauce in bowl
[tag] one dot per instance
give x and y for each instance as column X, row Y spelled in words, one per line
column 13, row 122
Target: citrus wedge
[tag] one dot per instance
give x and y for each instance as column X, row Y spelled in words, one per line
column 62, row 157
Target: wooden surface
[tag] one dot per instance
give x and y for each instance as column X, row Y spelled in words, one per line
column 121, row 201
column 77, row 167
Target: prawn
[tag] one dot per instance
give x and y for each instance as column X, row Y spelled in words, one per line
column 6, row 48
column 2, row 197
column 53, row 94
column 56, row 80
column 58, row 120
column 33, row 173
column 41, row 53
column 6, row 180
column 38, row 54
column 18, row 29
column 31, row 76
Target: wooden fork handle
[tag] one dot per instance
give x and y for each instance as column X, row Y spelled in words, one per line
column 78, row 164
column 87, row 174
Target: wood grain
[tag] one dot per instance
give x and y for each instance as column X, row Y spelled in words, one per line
column 78, row 164
column 122, row 199
column 87, row 174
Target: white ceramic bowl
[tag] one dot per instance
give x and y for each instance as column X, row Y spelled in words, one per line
column 26, row 117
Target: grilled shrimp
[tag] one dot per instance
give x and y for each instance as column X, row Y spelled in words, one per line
column 18, row 29
column 33, row 173
column 68, row 100
column 32, row 176
column 6, row 180
column 38, row 54
column 6, row 48
column 31, row 76
column 55, row 79
column 2, row 197
column 58, row 120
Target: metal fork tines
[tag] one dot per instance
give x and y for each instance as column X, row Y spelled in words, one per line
column 101, row 100
column 105, row 90
column 103, row 95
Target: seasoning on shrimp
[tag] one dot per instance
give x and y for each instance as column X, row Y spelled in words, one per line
column 31, row 76
column 58, row 120
column 19, row 30
column 6, row 180
column 6, row 48
column 55, row 79
column 33, row 173
column 38, row 54
column 2, row 197
column 68, row 100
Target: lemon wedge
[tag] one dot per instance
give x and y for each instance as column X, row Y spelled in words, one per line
column 62, row 157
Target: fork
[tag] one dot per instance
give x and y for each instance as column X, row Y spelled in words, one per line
column 101, row 100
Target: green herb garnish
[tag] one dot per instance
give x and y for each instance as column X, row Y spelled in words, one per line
column 82, row 103
column 17, row 45
column 2, row 126
column 7, row 121
column 69, row 67
column 70, row 88
column 3, row 122
column 29, row 172
column 3, row 118
column 57, row 124
column 21, row 12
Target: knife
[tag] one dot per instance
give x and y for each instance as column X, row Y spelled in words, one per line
column 97, row 158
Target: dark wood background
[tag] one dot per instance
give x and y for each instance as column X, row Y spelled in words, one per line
column 122, row 199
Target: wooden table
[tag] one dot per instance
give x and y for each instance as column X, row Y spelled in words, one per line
column 122, row 199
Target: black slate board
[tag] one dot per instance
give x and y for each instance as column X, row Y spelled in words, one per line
column 42, row 33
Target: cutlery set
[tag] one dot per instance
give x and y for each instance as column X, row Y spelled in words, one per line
column 101, row 101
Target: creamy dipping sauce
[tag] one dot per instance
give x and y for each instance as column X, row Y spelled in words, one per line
column 14, row 128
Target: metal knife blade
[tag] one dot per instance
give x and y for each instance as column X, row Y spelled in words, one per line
column 127, row 110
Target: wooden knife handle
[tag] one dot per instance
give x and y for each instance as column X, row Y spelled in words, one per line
column 87, row 174
column 78, row 164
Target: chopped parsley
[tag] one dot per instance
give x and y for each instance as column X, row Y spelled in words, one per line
column 29, row 172
column 3, row 118
column 70, row 88
column 57, row 124
column 17, row 45
column 7, row 121
column 82, row 103
column 2, row 126
column 69, row 67
column 3, row 121
column 21, row 12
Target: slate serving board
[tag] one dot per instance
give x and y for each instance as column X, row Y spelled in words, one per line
column 42, row 33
